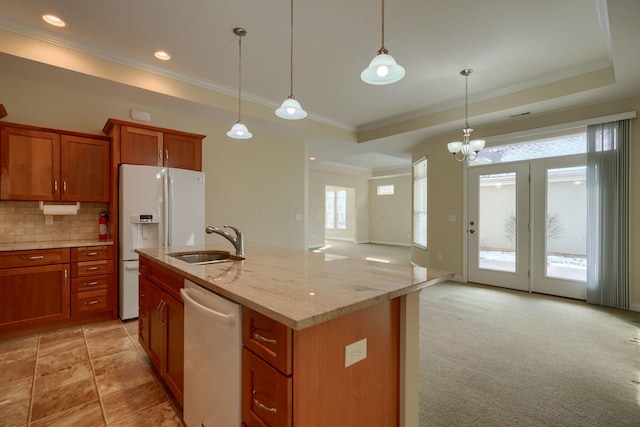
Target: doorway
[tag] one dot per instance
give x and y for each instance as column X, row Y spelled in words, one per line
column 527, row 225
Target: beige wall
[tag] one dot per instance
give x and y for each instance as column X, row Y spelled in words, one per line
column 257, row 185
column 445, row 186
column 390, row 216
column 322, row 175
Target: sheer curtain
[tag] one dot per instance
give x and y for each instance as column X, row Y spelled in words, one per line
column 608, row 214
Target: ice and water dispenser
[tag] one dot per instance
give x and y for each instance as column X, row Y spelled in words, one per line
column 146, row 231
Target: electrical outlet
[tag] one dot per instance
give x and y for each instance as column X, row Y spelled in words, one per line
column 439, row 257
column 355, row 352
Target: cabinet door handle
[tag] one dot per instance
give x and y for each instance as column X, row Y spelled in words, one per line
column 166, row 155
column 259, row 337
column 55, row 186
column 95, row 301
column 64, row 186
column 263, row 406
column 35, row 257
column 160, row 156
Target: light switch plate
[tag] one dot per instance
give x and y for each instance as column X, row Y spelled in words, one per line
column 355, row 352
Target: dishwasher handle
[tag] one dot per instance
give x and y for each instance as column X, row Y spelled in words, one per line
column 229, row 319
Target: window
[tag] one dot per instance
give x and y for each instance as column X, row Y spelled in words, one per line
column 385, row 190
column 420, row 203
column 336, row 209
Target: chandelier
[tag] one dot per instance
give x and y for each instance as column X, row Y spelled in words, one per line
column 467, row 149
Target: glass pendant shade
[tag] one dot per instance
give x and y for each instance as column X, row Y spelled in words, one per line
column 382, row 70
column 239, row 131
column 291, row 110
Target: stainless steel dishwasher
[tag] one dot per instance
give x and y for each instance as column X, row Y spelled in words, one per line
column 212, row 358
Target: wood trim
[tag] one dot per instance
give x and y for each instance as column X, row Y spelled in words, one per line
column 58, row 131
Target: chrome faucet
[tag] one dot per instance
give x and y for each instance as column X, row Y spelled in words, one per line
column 236, row 241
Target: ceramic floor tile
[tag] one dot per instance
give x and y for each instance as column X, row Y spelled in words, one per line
column 56, row 347
column 20, row 354
column 86, row 415
column 71, row 395
column 115, row 361
column 98, row 328
column 14, row 414
column 131, row 326
column 125, row 403
column 15, row 391
column 110, row 346
column 17, row 371
column 130, row 375
column 19, row 343
column 63, row 359
column 161, row 415
column 61, row 335
column 53, row 380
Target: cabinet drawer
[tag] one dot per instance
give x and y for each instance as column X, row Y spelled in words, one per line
column 266, row 394
column 91, row 268
column 91, row 302
column 34, row 257
column 91, row 283
column 90, row 253
column 168, row 280
column 268, row 339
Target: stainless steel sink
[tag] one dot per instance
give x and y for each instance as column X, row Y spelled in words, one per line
column 205, row 257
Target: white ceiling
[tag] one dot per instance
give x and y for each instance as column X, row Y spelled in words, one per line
column 511, row 45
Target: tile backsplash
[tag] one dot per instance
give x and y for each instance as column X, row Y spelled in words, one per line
column 23, row 222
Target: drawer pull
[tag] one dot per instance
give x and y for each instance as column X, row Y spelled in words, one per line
column 92, row 283
column 259, row 337
column 92, row 253
column 262, row 406
column 95, row 301
column 35, row 257
column 91, row 268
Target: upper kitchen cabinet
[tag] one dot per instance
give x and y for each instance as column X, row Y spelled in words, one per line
column 44, row 164
column 147, row 145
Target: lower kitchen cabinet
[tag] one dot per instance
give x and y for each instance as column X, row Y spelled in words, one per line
column 45, row 289
column 161, row 324
column 33, row 295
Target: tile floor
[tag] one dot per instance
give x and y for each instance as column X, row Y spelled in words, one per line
column 91, row 375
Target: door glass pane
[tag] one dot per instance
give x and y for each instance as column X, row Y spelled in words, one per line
column 566, row 234
column 497, row 222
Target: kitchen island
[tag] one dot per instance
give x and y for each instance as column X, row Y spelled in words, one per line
column 323, row 303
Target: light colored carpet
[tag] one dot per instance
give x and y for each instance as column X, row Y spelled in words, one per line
column 495, row 357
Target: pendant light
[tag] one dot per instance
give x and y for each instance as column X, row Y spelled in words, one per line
column 290, row 108
column 466, row 148
column 239, row 130
column 383, row 69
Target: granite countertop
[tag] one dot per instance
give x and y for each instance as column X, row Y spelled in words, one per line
column 4, row 247
column 299, row 288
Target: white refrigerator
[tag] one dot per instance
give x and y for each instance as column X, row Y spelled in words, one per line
column 158, row 207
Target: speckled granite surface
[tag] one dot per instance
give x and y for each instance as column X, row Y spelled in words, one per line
column 52, row 245
column 300, row 288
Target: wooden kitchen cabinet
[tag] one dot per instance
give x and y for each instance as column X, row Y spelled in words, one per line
column 161, row 313
column 147, row 145
column 35, row 288
column 92, row 283
column 50, row 165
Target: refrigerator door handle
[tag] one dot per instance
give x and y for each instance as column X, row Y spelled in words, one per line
column 167, row 207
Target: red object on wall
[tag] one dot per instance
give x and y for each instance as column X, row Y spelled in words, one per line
column 102, row 234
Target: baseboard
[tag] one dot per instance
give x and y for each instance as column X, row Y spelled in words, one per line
column 344, row 239
column 634, row 307
column 311, row 247
column 377, row 242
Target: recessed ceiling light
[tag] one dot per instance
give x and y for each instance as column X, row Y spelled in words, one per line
column 161, row 54
column 312, row 158
column 54, row 20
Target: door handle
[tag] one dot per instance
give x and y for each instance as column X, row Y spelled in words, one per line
column 472, row 231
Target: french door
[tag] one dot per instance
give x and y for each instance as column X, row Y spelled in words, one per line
column 498, row 225
column 526, row 226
